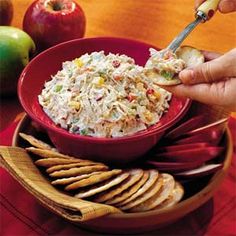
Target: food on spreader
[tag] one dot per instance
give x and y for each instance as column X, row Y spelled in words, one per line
column 131, row 190
column 103, row 96
column 164, row 66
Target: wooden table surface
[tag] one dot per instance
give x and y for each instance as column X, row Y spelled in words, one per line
column 153, row 21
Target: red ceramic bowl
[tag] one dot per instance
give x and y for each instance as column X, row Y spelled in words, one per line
column 118, row 150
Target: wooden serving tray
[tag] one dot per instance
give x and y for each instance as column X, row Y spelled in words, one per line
column 127, row 223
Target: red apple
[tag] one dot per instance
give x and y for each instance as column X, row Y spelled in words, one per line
column 6, row 12
column 50, row 22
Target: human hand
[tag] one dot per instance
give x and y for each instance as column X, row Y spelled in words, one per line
column 213, row 82
column 225, row 6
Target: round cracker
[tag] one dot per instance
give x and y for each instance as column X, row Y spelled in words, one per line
column 167, row 187
column 93, row 179
column 160, row 80
column 130, row 191
column 145, row 196
column 77, row 171
column 69, row 180
column 153, row 176
column 49, row 153
column 173, row 198
column 191, row 56
column 68, row 166
column 102, row 186
column 135, row 176
column 49, row 162
column 36, row 142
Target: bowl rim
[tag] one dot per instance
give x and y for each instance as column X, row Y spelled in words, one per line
column 152, row 130
column 183, row 207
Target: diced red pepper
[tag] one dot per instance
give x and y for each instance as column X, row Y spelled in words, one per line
column 117, row 78
column 130, row 97
column 150, row 91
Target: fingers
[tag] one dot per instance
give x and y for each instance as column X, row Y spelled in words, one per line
column 211, row 71
column 227, row 6
column 198, row 92
column 210, row 55
column 221, row 93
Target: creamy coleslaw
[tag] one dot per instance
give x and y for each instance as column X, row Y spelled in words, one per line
column 163, row 64
column 103, row 96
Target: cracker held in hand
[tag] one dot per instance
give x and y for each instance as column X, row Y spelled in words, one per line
column 135, row 176
column 93, row 179
column 36, row 142
column 164, row 67
column 153, row 176
column 130, row 191
column 167, row 187
column 145, row 196
column 102, row 186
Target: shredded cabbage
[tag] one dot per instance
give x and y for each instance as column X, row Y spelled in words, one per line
column 103, row 96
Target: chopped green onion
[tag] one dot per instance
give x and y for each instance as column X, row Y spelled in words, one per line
column 83, row 132
column 102, row 73
column 168, row 75
column 58, row 88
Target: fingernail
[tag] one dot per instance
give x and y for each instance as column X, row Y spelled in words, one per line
column 186, row 76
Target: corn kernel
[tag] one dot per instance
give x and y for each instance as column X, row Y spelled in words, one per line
column 99, row 81
column 148, row 115
column 78, row 62
column 74, row 104
column 157, row 95
column 152, row 97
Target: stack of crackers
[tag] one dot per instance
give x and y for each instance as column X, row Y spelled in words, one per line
column 130, row 190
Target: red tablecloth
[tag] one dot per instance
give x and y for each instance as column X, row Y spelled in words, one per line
column 21, row 214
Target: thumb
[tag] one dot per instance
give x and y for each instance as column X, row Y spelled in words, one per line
column 226, row 6
column 211, row 71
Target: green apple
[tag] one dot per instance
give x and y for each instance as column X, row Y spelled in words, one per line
column 16, row 47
